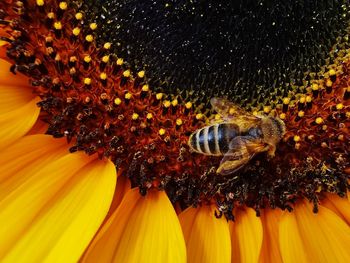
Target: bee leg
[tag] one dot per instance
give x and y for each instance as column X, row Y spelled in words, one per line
column 271, row 151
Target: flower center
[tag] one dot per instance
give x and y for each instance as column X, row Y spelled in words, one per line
column 90, row 95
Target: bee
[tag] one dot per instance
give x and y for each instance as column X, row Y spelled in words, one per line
column 238, row 137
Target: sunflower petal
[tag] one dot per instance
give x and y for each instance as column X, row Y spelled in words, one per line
column 340, row 206
column 246, row 236
column 324, row 235
column 207, row 237
column 55, row 212
column 7, row 78
column 142, row 229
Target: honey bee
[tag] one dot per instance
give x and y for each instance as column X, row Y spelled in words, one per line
column 238, row 137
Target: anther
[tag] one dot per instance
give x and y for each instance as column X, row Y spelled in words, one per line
column 126, row 73
column 117, row 101
column 141, row 74
column 63, row 5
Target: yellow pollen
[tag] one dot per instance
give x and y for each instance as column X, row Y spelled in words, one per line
column 79, row 16
column 324, row 127
column 40, row 2
column 231, row 111
column 329, row 83
column 324, row 145
column 134, row 116
column 103, row 76
column 58, row 57
column 319, row 120
column 166, row 104
column 63, row 5
column 57, row 25
column 348, row 89
column 340, row 137
column 87, row 59
column 72, row 71
column 188, row 105
column 174, row 102
column 141, row 74
column 178, row 122
column 87, row 81
column 145, row 88
column 107, row 45
column 117, row 101
column 48, row 39
column 267, row 109
column 199, row 116
column 105, row 59
column 282, row 116
column 296, row 138
column 89, row 38
column 308, row 99
column 302, row 100
column 315, row 86
column 161, row 131
column 93, row 26
column 159, row 96
column 339, row 106
column 51, row 15
column 301, row 114
column 217, row 117
column 332, row 72
column 286, row 101
column 149, row 116
column 347, row 114
column 76, row 31
column 126, row 73
column 120, row 61
column 128, row 96
column 73, row 59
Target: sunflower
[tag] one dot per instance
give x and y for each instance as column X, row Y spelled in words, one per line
column 95, row 164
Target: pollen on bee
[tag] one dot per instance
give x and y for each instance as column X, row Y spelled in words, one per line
column 217, row 117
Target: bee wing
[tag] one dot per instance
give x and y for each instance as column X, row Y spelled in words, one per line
column 228, row 110
column 241, row 150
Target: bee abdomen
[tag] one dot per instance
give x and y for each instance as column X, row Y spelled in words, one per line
column 205, row 140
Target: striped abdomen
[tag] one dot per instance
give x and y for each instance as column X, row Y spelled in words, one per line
column 214, row 139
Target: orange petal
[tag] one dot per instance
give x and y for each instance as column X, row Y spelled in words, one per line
column 7, row 78
column 142, row 229
column 270, row 251
column 324, row 236
column 45, row 216
column 123, row 186
column 207, row 237
column 246, row 236
column 340, row 206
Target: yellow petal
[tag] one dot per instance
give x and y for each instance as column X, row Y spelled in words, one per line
column 39, row 127
column 207, row 237
column 123, row 186
column 246, row 236
column 324, row 235
column 7, row 78
column 17, row 123
column 270, row 251
column 142, row 229
column 340, row 206
column 54, row 213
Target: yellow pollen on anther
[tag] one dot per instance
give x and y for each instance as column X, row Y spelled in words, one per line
column 159, row 96
column 107, row 45
column 141, row 74
column 199, row 116
column 315, row 86
column 87, row 59
column 188, row 105
column 267, row 109
column 339, row 106
column 319, row 120
column 324, row 127
column 105, row 59
column 296, row 138
column 332, row 72
column 76, row 31
column 286, row 100
column 308, row 99
column 51, row 15
column 174, row 102
column 73, row 59
column 340, row 137
column 120, row 61
column 178, row 122
column 134, row 116
column 302, row 100
column 145, row 88
column 161, row 131
column 79, row 16
column 126, row 73
column 329, row 83
column 117, row 101
column 40, row 2
column 166, row 104
column 89, row 38
column 93, row 26
column 301, row 114
column 282, row 116
column 231, row 111
column 103, row 76
column 63, row 5
column 57, row 25
column 149, row 116
column 87, row 81
column 128, row 96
